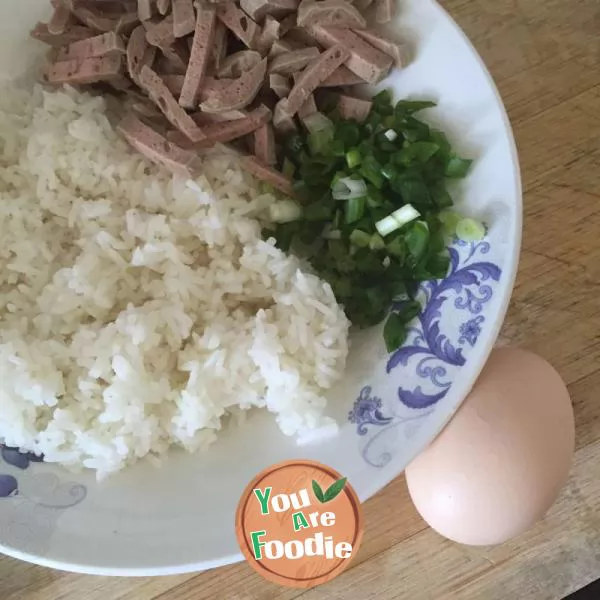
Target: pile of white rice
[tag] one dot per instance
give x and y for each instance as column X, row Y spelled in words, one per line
column 138, row 310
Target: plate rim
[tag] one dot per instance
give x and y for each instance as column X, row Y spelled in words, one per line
column 469, row 373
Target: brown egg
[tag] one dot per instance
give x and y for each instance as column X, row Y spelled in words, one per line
column 500, row 463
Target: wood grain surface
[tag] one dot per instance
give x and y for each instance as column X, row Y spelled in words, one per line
column 545, row 58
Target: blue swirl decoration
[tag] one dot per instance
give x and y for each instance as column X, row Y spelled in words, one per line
column 44, row 490
column 434, row 350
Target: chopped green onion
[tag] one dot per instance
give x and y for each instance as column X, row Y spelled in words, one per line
column 458, row 167
column 372, row 209
column 353, row 158
column 397, row 219
column 397, row 248
column 394, row 332
column 422, row 151
column 347, row 188
column 417, row 239
column 320, row 140
column 355, row 208
column 387, row 225
column 391, row 135
column 360, row 238
column 371, row 170
column 409, row 311
column 317, row 122
column 284, row 211
column 449, row 220
column 469, row 230
column 376, row 242
column 389, row 171
column 408, row 107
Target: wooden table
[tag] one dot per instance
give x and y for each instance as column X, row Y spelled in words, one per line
column 545, row 58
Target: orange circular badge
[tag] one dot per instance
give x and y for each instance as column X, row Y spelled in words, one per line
column 299, row 523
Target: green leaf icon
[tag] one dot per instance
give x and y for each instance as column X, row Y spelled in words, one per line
column 318, row 491
column 334, row 489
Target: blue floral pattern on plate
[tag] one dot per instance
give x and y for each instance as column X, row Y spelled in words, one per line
column 54, row 495
column 32, row 501
column 434, row 351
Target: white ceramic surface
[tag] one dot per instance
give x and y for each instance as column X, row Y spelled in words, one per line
column 180, row 517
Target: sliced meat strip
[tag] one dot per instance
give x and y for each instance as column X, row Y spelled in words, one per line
column 396, row 51
column 105, row 21
column 239, row 93
column 163, row 6
column 264, row 144
column 159, row 32
column 86, row 70
column 238, row 63
column 219, row 49
column 312, row 76
column 184, row 19
column 259, row 9
column 330, row 13
column 139, row 53
column 279, row 47
column 202, row 118
column 203, row 38
column 106, row 44
column 308, row 108
column 292, row 62
column 227, row 131
column 212, row 87
column 242, row 26
column 282, row 120
column 157, row 148
column 74, row 34
column 384, row 11
column 365, row 61
column 174, row 83
column 141, row 105
column 353, row 108
column 145, row 9
column 271, row 31
column 60, row 21
column 279, row 84
column 340, row 77
column 162, row 97
column 265, row 173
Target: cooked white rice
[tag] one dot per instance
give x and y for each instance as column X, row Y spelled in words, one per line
column 137, row 310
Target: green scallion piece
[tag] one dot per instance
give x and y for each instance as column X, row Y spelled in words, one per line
column 360, row 238
column 353, row 158
column 394, row 332
column 457, row 167
column 449, row 220
column 469, row 230
column 355, row 208
column 376, row 242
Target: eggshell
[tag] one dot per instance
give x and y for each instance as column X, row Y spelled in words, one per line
column 500, row 463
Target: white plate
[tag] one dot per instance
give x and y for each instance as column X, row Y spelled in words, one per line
column 180, row 518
